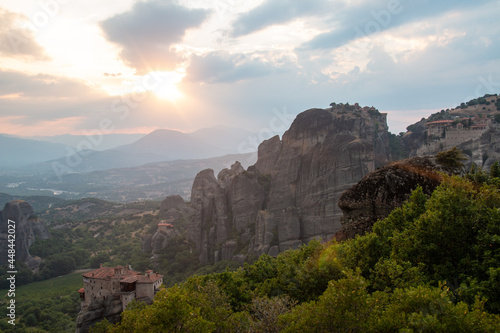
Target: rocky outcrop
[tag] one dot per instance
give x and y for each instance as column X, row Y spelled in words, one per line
column 174, row 213
column 170, row 205
column 99, row 309
column 290, row 195
column 27, row 228
column 161, row 238
column 380, row 192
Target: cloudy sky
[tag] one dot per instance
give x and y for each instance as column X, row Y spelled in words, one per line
column 128, row 66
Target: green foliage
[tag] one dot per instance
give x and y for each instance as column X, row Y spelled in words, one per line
column 342, row 308
column 202, row 308
column 442, row 115
column 56, row 265
column 178, row 260
column 451, row 158
column 393, row 279
column 99, row 259
column 397, row 147
column 495, row 170
column 431, row 265
column 48, row 306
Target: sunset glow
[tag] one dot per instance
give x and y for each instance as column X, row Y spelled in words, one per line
column 237, row 61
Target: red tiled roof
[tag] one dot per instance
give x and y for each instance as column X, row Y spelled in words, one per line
column 105, row 273
column 149, row 279
column 129, row 279
column 165, row 225
column 81, row 290
column 153, row 277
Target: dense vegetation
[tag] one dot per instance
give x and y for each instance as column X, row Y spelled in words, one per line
column 48, row 306
column 112, row 234
column 397, row 147
column 431, row 265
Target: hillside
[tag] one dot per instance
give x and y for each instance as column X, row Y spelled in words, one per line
column 395, row 278
column 472, row 126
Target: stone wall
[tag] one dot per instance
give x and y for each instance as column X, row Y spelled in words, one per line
column 453, row 138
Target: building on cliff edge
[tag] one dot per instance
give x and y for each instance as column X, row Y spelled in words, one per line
column 106, row 283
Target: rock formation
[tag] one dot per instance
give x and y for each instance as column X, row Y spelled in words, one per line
column 380, row 192
column 290, row 195
column 110, row 309
column 27, row 228
column 174, row 213
column 163, row 235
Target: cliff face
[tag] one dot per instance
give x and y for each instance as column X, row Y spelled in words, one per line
column 380, row 192
column 27, row 228
column 99, row 309
column 322, row 155
column 290, row 195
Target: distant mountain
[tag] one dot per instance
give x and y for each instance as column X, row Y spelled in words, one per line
column 89, row 161
column 98, row 142
column 158, row 146
column 169, row 145
column 17, row 152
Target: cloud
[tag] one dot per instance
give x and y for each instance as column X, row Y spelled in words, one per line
column 222, row 67
column 43, row 99
column 148, row 31
column 274, row 12
column 16, row 41
column 41, row 86
column 367, row 18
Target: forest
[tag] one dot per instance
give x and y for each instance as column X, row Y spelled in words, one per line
column 433, row 265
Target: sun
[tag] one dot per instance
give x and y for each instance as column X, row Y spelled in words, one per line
column 168, row 92
column 166, row 85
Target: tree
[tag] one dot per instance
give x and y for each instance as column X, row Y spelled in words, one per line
column 452, row 158
column 98, row 259
column 495, row 170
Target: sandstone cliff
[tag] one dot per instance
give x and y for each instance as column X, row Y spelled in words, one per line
column 290, row 195
column 28, row 227
column 380, row 192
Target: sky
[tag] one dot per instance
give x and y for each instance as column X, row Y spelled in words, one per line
column 128, row 66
